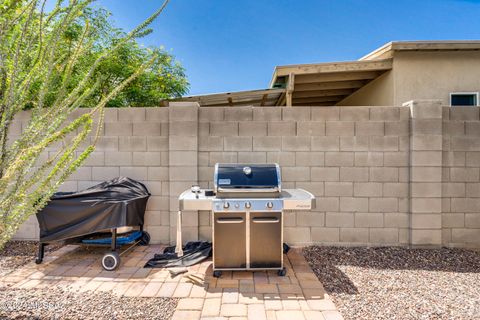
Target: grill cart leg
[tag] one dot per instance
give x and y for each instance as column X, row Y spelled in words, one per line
column 41, row 253
column 114, row 239
column 111, row 260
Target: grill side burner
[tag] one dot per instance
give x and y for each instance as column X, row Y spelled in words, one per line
column 247, row 215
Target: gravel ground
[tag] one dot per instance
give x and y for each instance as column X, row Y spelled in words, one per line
column 400, row 283
column 55, row 303
column 18, row 253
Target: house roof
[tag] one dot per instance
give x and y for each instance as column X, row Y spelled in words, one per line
column 324, row 84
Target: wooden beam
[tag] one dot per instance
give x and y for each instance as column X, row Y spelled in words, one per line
column 319, row 99
column 317, row 104
column 281, row 100
column 355, row 84
column 230, row 101
column 240, row 103
column 322, row 93
column 372, row 65
column 290, row 87
column 264, row 99
column 331, row 77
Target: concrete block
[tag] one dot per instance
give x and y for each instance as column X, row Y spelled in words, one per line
column 211, row 114
column 296, row 143
column 296, row 174
column 183, row 158
column 325, row 143
column 339, row 159
column 137, row 173
column 367, row 189
column 185, row 128
column 118, row 129
column 205, row 234
column 383, row 144
column 297, row 235
column 472, row 159
column 183, row 112
column 454, row 159
column 237, row 143
column 160, row 114
column 252, row 157
column 253, row 128
column 426, row 190
column 296, row 114
column 368, row 220
column 239, row 114
column 385, row 114
column 464, row 174
column 465, row 205
column 325, row 174
column 383, row 235
column 384, row 174
column 282, row 128
column 203, row 129
column 453, row 220
column 427, row 142
column 342, row 189
column 284, row 159
column 354, row 113
column 397, row 128
column 369, row 128
column 426, row 205
column 326, row 113
column 327, row 204
column 131, row 114
column 310, row 159
column 311, row 128
column 453, row 190
column 426, row 221
column 431, row 111
column 316, row 188
column 426, row 174
column 393, row 189
column 396, row 220
column 353, row 204
column 181, row 143
column 353, row 174
column 107, row 144
column 426, row 237
column 311, row 219
column 396, row 159
column 267, row 114
column 465, row 143
column 383, row 205
column 222, row 157
column 368, row 159
column 289, row 218
column 224, row 129
column 114, row 158
column 156, row 143
column 210, row 144
column 155, row 187
column 464, row 113
column 426, row 126
column 105, row 173
column 72, row 186
column 157, row 173
column 426, row 158
column 472, row 128
column 466, row 236
column 132, row 144
column 339, row 219
column 94, row 159
column 152, row 218
column 146, row 129
column 454, row 128
column 321, row 235
column 472, row 190
column 183, row 173
column 340, row 128
column 353, row 143
column 354, row 235
column 472, row 220
column 267, row 143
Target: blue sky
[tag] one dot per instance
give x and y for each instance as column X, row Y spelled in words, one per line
column 230, row 45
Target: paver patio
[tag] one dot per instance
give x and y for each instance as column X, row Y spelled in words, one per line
column 238, row 295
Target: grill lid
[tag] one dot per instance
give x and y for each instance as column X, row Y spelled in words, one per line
column 247, row 178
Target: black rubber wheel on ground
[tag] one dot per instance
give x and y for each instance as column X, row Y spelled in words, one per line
column 110, row 261
column 145, row 239
column 282, row 272
column 38, row 260
column 217, row 274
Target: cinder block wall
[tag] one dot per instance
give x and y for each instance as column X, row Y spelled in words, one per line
column 381, row 175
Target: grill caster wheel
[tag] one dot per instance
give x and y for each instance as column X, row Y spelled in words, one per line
column 217, row 274
column 110, row 261
column 38, row 261
column 145, row 239
column 282, row 272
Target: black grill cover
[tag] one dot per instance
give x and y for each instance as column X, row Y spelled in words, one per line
column 112, row 204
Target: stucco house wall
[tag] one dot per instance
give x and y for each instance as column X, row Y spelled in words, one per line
column 395, row 175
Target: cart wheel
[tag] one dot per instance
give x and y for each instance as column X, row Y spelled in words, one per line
column 111, row 261
column 217, row 274
column 282, row 272
column 38, row 260
column 145, row 239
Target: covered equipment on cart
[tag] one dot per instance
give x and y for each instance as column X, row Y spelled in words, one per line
column 120, row 202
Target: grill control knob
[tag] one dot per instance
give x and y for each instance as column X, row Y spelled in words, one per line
column 270, row 205
column 248, row 204
column 226, row 205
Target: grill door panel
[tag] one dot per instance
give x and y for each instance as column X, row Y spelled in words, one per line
column 266, row 239
column 229, row 244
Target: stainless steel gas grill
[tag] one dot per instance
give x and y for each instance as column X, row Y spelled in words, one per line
column 247, row 206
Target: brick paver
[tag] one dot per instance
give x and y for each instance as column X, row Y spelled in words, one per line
column 235, row 295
